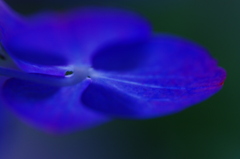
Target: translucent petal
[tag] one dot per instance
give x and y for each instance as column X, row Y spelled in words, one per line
column 52, row 109
column 9, row 21
column 54, row 43
column 173, row 75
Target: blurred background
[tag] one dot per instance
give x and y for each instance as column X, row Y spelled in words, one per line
column 209, row 130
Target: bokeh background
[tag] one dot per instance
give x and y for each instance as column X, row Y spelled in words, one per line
column 209, row 130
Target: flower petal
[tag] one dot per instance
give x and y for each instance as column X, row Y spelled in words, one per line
column 9, row 21
column 54, row 42
column 52, row 109
column 173, row 75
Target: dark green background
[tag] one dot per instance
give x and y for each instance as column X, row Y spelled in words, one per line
column 210, row 130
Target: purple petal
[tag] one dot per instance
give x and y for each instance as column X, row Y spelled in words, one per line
column 54, row 42
column 173, row 75
column 9, row 21
column 52, row 109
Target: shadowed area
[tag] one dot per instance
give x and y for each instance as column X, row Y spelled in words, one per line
column 128, row 56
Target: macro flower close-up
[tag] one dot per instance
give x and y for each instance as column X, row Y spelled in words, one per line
column 70, row 70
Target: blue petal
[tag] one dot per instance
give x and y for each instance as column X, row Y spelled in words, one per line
column 53, row 43
column 9, row 21
column 173, row 75
column 52, row 109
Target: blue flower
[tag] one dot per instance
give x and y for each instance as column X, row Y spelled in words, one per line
column 73, row 70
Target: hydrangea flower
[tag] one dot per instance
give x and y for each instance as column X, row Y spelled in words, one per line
column 67, row 71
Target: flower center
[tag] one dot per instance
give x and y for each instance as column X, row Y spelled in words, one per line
column 71, row 77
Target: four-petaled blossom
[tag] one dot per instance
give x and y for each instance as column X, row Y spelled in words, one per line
column 72, row 70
